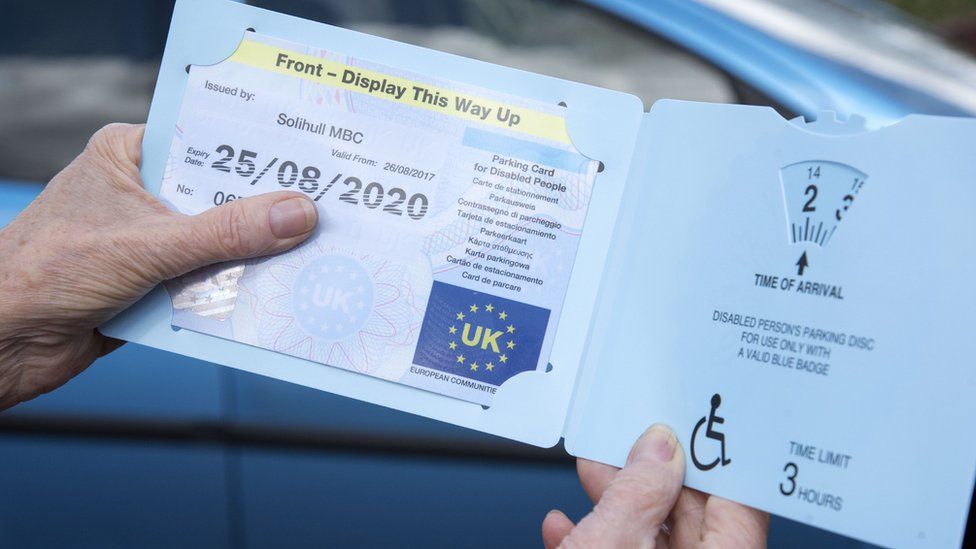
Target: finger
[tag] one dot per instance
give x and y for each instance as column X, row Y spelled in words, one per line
column 555, row 527
column 119, row 143
column 595, row 477
column 688, row 518
column 245, row 228
column 699, row 517
column 132, row 139
column 640, row 496
column 732, row 524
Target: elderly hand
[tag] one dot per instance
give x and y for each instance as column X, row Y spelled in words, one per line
column 633, row 505
column 95, row 241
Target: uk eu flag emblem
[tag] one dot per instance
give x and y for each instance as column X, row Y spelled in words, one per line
column 479, row 336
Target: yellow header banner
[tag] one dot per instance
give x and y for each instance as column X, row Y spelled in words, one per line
column 401, row 90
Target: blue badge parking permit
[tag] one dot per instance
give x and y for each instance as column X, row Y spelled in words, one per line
column 425, row 183
column 793, row 298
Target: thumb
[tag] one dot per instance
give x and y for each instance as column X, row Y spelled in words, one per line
column 249, row 227
column 639, row 498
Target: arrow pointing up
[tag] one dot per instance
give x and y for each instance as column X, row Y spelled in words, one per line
column 802, row 264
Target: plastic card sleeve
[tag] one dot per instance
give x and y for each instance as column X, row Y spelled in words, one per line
column 532, row 406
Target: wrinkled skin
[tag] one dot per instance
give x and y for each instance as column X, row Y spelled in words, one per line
column 94, row 242
column 633, row 504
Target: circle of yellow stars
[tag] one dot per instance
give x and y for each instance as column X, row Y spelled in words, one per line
column 502, row 357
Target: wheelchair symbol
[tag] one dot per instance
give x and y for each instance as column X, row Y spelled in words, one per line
column 711, row 433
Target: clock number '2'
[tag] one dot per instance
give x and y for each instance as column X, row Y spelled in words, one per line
column 812, row 191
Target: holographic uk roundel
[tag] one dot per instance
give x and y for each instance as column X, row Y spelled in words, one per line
column 333, row 306
column 332, row 297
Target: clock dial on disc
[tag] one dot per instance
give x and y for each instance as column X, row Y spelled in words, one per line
column 819, row 195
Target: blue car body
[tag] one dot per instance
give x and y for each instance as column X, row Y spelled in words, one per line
column 798, row 80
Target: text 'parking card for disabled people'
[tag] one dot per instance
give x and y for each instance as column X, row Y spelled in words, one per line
column 538, row 259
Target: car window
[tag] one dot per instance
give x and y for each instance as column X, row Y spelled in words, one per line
column 558, row 38
column 875, row 37
column 68, row 68
column 71, row 70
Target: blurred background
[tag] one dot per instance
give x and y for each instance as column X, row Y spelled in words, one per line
column 151, row 449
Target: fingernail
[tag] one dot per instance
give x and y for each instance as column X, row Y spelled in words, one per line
column 292, row 217
column 656, row 444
